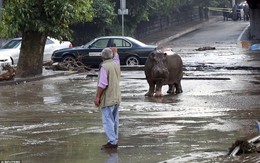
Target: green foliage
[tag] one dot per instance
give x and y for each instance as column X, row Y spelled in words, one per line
column 51, row 17
column 211, row 3
column 104, row 20
column 162, row 8
column 138, row 10
column 104, row 12
column 144, row 10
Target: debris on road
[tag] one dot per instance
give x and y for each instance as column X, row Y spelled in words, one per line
column 8, row 73
column 205, row 48
column 68, row 66
column 244, row 146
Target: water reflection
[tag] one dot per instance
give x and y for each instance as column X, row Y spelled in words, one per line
column 48, row 92
column 31, row 93
column 112, row 156
column 163, row 99
column 53, row 95
column 28, row 93
column 51, row 100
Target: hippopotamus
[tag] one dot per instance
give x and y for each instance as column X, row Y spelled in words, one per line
column 163, row 69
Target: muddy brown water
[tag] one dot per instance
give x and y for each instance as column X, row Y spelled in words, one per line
column 54, row 120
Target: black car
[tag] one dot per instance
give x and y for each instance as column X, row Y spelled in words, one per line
column 130, row 50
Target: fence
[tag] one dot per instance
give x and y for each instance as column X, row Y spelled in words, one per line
column 162, row 23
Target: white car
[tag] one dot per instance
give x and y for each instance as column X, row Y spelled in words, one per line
column 5, row 60
column 9, row 53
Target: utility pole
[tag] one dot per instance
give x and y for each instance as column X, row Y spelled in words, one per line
column 123, row 11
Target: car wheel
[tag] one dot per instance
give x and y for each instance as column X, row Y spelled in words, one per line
column 69, row 60
column 131, row 61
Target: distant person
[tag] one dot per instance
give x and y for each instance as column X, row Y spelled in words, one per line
column 239, row 11
column 234, row 12
column 226, row 13
column 108, row 95
column 206, row 13
column 201, row 12
column 246, row 12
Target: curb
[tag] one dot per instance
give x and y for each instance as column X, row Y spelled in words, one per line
column 244, row 35
column 243, row 40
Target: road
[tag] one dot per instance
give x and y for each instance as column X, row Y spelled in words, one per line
column 55, row 120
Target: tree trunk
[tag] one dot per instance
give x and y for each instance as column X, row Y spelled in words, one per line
column 31, row 54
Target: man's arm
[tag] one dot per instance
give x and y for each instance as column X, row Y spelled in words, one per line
column 98, row 96
column 116, row 56
column 114, row 50
column 101, row 86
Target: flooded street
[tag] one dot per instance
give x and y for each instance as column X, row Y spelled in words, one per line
column 55, row 120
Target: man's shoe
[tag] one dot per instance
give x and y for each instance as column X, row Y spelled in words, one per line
column 109, row 146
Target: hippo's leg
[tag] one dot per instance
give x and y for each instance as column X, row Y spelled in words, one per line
column 151, row 88
column 171, row 89
column 158, row 89
column 178, row 87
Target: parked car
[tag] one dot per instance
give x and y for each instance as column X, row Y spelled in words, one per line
column 130, row 50
column 5, row 60
column 10, row 52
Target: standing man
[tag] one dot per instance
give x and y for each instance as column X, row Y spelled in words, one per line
column 206, row 13
column 246, row 12
column 108, row 95
column 201, row 12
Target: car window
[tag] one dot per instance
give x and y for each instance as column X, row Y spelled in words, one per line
column 136, row 41
column 121, row 43
column 12, row 44
column 48, row 41
column 102, row 43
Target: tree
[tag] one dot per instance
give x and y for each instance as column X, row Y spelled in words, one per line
column 144, row 10
column 211, row 3
column 37, row 19
column 103, row 22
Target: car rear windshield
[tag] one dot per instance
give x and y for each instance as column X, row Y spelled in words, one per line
column 137, row 41
column 12, row 44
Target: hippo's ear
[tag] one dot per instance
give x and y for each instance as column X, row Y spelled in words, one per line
column 151, row 55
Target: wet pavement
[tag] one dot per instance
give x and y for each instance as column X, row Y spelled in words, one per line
column 55, row 120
